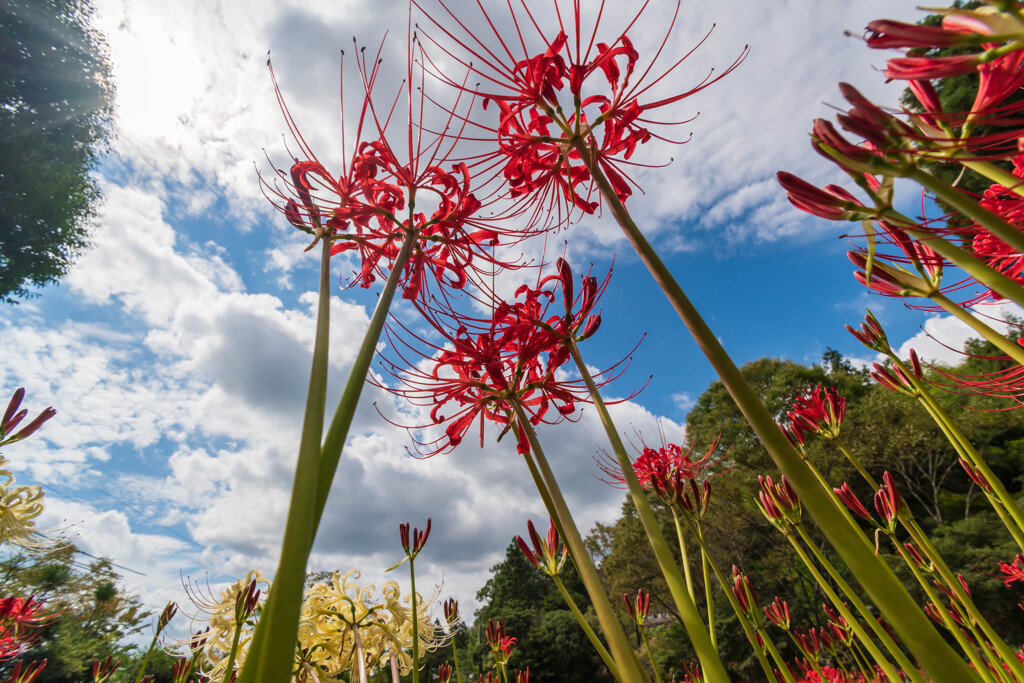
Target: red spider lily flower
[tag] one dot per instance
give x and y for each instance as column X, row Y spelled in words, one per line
column 745, row 596
column 488, row 367
column 838, row 626
column 637, row 607
column 419, row 539
column 795, row 436
column 849, row 498
column 831, row 202
column 888, row 502
column 667, row 468
column 523, row 676
column 544, row 555
column 13, row 417
column 444, row 672
column 570, row 88
column 451, row 611
column 819, row 411
column 489, row 678
column 692, row 672
column 1012, row 571
column 894, row 379
column 501, row 645
column 778, row 613
column 370, row 208
column 809, row 642
column 20, row 622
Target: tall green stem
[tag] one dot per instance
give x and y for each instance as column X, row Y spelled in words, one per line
column 415, row 624
column 1011, row 349
column 591, row 636
column 711, row 662
column 935, row 655
column 629, row 666
column 455, row 657
column 650, row 654
column 705, row 563
column 840, row 605
column 685, row 559
column 273, row 648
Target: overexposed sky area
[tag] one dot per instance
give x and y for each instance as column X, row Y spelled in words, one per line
column 178, row 349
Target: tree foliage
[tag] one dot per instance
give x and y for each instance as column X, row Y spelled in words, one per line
column 56, row 108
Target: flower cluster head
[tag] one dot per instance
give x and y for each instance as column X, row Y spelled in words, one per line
column 395, row 190
column 564, row 104
column 13, row 417
column 497, row 368
column 544, row 555
column 419, row 539
column 819, row 411
column 1012, row 571
column 778, row 502
column 20, row 622
column 746, row 597
column 501, row 644
column 838, row 626
column 778, row 613
column 451, row 612
column 19, row 508
column 888, row 503
column 334, row 611
column 103, row 669
column 638, row 606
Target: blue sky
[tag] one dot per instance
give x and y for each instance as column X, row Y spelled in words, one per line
column 177, row 350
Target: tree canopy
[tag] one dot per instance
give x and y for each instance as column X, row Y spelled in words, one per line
column 56, row 110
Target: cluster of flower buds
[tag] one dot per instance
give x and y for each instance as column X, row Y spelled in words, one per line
column 637, row 607
column 779, row 502
column 692, row 673
column 13, row 417
column 871, row 334
column 888, row 504
column 246, row 601
column 501, row 644
column 25, row 672
column 838, row 626
column 451, row 612
column 976, row 476
column 419, row 539
column 544, row 555
column 444, row 672
column 170, row 609
column 103, row 670
column 523, row 676
column 778, row 613
column 819, row 411
column 746, row 597
column 918, row 561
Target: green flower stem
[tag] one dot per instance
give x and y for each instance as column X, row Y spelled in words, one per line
column 787, row 673
column 415, row 624
column 680, row 537
column 997, row 175
column 455, row 657
column 622, row 651
column 840, row 505
column 966, row 450
column 855, row 624
column 744, row 622
column 145, row 660
column 857, row 465
column 591, row 636
column 279, row 621
column 881, row 584
column 711, row 662
column 1011, row 349
column 230, row 666
column 337, row 432
column 972, row 265
column 861, row 661
column 650, row 654
column 708, row 596
column 970, row 208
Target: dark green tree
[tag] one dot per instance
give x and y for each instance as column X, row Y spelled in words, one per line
column 96, row 616
column 56, row 110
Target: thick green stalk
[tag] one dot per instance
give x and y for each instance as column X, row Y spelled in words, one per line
column 711, row 662
column 881, row 584
column 622, row 651
column 337, row 432
column 229, row 668
column 970, row 208
column 681, row 539
column 145, row 660
column 855, row 624
column 708, row 596
column 744, row 622
column 966, row 450
column 787, row 673
column 273, row 648
column 997, row 175
column 455, row 657
column 591, row 636
column 415, row 624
